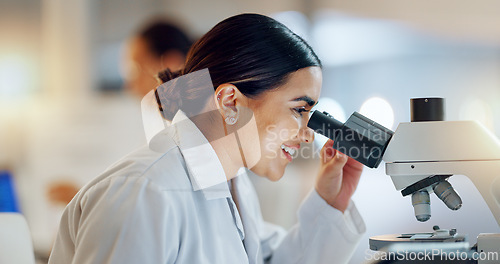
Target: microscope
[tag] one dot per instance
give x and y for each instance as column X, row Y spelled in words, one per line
column 419, row 157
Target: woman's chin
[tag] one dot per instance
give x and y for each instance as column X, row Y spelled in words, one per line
column 274, row 178
column 273, row 175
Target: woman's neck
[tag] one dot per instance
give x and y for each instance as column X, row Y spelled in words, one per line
column 223, row 140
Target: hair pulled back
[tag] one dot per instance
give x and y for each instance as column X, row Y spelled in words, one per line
column 253, row 52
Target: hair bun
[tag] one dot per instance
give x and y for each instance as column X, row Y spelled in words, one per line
column 167, row 75
column 168, row 94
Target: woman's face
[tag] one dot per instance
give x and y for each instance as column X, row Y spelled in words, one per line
column 281, row 116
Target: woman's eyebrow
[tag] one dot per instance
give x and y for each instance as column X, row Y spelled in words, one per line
column 306, row 99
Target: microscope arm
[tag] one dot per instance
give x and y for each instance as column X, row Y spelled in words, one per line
column 419, row 150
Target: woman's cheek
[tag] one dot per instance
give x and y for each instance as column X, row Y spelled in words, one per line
column 271, row 133
column 283, row 134
column 289, row 131
column 271, row 152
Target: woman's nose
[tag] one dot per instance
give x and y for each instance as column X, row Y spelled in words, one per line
column 306, row 134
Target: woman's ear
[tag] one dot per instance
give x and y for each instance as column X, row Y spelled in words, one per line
column 228, row 98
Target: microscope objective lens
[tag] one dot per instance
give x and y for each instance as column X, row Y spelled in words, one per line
column 422, row 205
column 448, row 195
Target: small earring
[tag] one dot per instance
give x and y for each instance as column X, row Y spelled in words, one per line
column 230, row 120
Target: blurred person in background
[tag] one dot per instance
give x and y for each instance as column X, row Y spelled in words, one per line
column 156, row 46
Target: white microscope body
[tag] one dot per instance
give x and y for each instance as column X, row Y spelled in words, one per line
column 418, row 151
column 420, row 156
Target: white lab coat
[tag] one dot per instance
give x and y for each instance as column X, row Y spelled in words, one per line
column 173, row 205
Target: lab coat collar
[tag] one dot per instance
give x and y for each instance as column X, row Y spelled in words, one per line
column 204, row 168
column 152, row 120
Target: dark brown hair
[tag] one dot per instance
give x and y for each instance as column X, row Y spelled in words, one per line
column 162, row 36
column 253, row 52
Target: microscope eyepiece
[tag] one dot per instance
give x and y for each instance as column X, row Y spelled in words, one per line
column 359, row 137
column 324, row 124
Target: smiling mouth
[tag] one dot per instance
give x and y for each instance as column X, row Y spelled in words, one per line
column 289, row 152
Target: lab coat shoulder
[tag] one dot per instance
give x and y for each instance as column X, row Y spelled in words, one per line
column 141, row 172
column 126, row 208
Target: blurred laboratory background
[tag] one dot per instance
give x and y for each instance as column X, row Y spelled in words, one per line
column 66, row 115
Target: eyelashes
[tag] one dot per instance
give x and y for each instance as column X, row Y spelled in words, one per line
column 300, row 110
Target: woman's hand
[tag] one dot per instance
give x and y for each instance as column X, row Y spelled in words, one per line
column 338, row 177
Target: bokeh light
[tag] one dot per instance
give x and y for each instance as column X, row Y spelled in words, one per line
column 333, row 108
column 379, row 110
column 17, row 75
column 476, row 109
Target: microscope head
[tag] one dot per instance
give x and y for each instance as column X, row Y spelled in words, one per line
column 430, row 110
column 425, row 152
column 421, row 155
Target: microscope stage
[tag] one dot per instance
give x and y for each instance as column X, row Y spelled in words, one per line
column 419, row 241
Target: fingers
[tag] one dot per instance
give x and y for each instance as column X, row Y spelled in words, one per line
column 327, row 152
column 330, row 155
column 354, row 164
column 328, row 144
column 339, row 160
column 333, row 167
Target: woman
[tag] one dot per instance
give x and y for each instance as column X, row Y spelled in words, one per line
column 178, row 200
